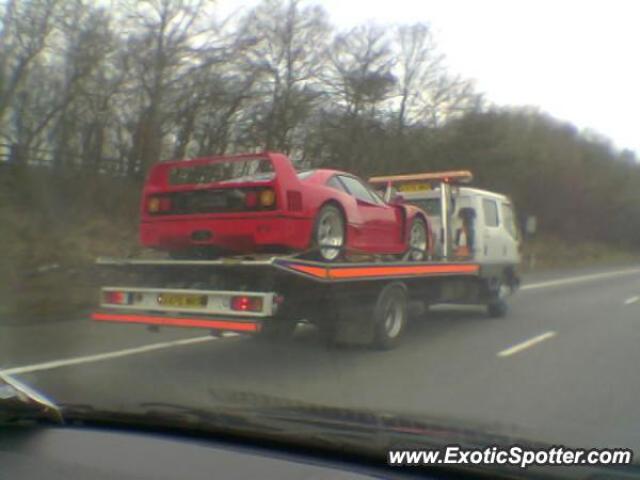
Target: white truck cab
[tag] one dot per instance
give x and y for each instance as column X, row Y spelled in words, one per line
column 467, row 225
column 479, row 225
column 491, row 234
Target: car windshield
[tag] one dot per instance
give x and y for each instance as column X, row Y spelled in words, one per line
column 194, row 213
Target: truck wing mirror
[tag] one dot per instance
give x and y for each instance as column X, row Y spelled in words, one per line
column 531, row 225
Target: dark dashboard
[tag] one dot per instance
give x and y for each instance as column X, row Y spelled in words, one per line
column 98, row 454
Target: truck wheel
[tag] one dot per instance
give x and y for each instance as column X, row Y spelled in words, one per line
column 497, row 306
column 329, row 233
column 418, row 240
column 390, row 316
column 276, row 330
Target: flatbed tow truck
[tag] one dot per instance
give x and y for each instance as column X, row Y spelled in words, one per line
column 365, row 302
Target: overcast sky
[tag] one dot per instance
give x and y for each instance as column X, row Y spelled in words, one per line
column 578, row 60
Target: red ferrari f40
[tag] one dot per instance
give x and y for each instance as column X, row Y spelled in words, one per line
column 255, row 203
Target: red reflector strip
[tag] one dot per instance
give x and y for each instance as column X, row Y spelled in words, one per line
column 245, row 303
column 218, row 324
column 385, row 271
column 117, row 298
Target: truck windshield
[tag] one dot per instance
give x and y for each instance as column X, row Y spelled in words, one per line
column 429, row 205
column 258, row 169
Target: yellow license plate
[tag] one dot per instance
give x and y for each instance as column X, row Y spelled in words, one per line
column 414, row 187
column 182, row 300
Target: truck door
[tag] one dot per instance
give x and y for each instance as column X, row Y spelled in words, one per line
column 464, row 207
column 492, row 248
column 511, row 237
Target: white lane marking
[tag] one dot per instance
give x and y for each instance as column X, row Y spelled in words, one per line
column 581, row 278
column 631, row 300
column 526, row 344
column 104, row 356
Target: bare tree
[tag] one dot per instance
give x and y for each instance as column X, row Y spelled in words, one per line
column 361, row 75
column 427, row 93
column 117, row 90
column 168, row 34
column 288, row 54
column 25, row 28
column 88, row 80
column 418, row 66
column 361, row 83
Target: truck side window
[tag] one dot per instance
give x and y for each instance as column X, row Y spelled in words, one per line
column 429, row 205
column 509, row 220
column 490, row 210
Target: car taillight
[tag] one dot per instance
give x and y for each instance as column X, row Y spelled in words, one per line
column 251, row 199
column 267, row 197
column 153, row 205
column 117, row 298
column 245, row 303
column 294, row 200
column 158, row 204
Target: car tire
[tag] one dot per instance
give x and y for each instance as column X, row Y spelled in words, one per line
column 417, row 240
column 329, row 229
column 390, row 316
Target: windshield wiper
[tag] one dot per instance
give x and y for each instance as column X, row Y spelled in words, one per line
column 19, row 402
column 344, row 433
column 241, row 412
column 360, row 435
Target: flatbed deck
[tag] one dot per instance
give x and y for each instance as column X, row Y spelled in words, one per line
column 256, row 295
column 319, row 271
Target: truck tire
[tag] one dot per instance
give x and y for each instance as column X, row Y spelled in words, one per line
column 390, row 316
column 497, row 306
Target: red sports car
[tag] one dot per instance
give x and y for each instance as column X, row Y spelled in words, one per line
column 259, row 203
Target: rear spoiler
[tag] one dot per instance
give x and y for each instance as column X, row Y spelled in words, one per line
column 158, row 177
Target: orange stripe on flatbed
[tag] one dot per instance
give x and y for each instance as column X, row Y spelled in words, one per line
column 404, row 270
column 319, row 272
column 385, row 271
column 218, row 324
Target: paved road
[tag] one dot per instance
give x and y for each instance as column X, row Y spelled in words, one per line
column 563, row 366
